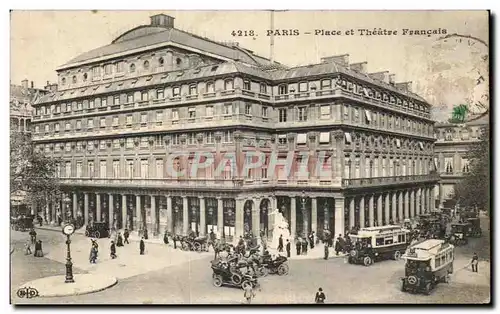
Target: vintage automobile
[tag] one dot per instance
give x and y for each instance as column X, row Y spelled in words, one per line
column 474, row 228
column 22, row 223
column 376, row 243
column 459, row 232
column 224, row 274
column 97, row 230
column 427, row 264
column 431, row 227
column 278, row 265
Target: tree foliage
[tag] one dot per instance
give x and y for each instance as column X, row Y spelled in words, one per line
column 32, row 174
column 474, row 190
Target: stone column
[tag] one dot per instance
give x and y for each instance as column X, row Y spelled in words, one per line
column 394, row 206
column 111, row 211
column 407, row 205
column 371, row 210
column 170, row 221
column 314, row 215
column 86, row 208
column 75, row 204
column 417, row 203
column 256, row 218
column 203, row 217
column 433, row 198
column 412, row 203
column 54, row 211
column 47, row 212
column 238, row 223
column 400, row 208
column 185, row 215
column 352, row 213
column 274, row 205
column 379, row 209
column 138, row 211
column 220, row 217
column 124, row 211
column 387, row 208
column 339, row 216
column 293, row 218
column 98, row 207
column 441, row 195
column 153, row 216
column 362, row 212
column 422, row 201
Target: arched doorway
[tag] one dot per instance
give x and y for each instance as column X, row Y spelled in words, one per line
column 211, row 215
column 247, row 217
column 326, row 216
column 177, row 213
column 194, row 214
column 264, row 207
column 303, row 212
column 229, row 212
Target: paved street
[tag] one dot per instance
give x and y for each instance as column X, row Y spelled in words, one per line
column 168, row 276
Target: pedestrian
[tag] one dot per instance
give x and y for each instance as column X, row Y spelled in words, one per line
column 146, row 236
column 38, row 249
column 27, row 248
column 126, row 235
column 93, row 255
column 280, row 243
column 249, row 293
column 119, row 240
column 474, row 262
column 141, row 246
column 337, row 247
column 288, row 245
column 175, row 238
column 165, row 237
column 320, row 296
column 327, row 251
column 311, row 239
column 112, row 250
column 33, row 235
column 212, row 238
column 304, row 246
column 40, row 220
column 298, row 245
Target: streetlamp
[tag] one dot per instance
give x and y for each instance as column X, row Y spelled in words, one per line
column 68, row 230
column 304, row 213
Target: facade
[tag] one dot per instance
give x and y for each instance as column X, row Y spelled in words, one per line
column 21, row 98
column 453, row 141
column 121, row 109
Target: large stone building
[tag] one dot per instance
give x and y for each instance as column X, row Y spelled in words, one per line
column 453, row 141
column 21, row 98
column 120, row 109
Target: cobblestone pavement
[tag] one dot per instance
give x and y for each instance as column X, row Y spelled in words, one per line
column 190, row 280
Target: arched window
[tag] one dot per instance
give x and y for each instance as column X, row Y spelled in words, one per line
column 146, row 64
column 161, row 62
column 74, row 79
column 63, row 81
column 85, row 76
column 132, row 67
column 178, row 61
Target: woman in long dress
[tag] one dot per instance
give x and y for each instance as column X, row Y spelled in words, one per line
column 38, row 249
column 119, row 240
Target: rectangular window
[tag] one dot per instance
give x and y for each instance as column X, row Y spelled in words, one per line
column 176, row 91
column 96, row 71
column 302, row 114
column 263, row 88
column 68, row 126
column 130, row 168
column 108, row 69
column 102, row 122
column 67, row 169
column 209, row 111
column 104, row 102
column 90, row 169
column 348, row 138
column 102, row 169
column 78, row 124
column 192, row 112
column 79, row 106
column 246, row 85
column 210, row 87
column 324, row 138
column 160, row 94
column 175, row 139
column 228, row 109
column 91, row 104
column 356, row 114
column 264, row 111
column 368, row 117
column 159, row 117
column 102, row 144
column 129, row 143
column 144, row 96
column 282, row 89
column 191, row 139
column 144, row 118
column 115, row 121
column 116, row 100
column 37, row 129
column 175, row 114
column 144, row 169
column 56, row 127
column 248, row 109
column 116, row 169
column 228, row 137
column 47, row 128
column 144, row 142
column 326, row 84
column 303, row 87
column 79, row 169
column 193, row 89
column 158, row 141
column 282, row 114
column 130, row 98
column 67, row 147
column 448, row 163
column 68, row 108
column 119, row 67
column 128, row 120
column 325, row 112
column 159, row 168
column 116, row 144
column 301, row 139
column 209, row 137
column 228, row 84
column 282, row 139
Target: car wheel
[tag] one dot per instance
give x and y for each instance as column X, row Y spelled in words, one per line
column 427, row 289
column 397, row 255
column 197, row 247
column 217, row 281
column 245, row 284
column 97, row 234
column 264, row 271
column 87, row 233
column 367, row 261
column 283, row 269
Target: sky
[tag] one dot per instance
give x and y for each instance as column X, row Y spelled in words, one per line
column 444, row 73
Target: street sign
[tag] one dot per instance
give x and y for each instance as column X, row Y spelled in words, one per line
column 68, row 229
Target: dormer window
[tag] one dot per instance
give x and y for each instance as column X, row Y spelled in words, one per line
column 282, row 89
column 74, row 79
column 132, row 68
column 263, row 88
column 161, row 62
column 210, row 87
column 178, row 61
column 246, row 85
column 303, row 87
column 193, row 90
column 146, row 64
column 85, row 76
column 228, row 84
column 176, row 91
column 108, row 69
column 326, row 84
column 119, row 67
column 63, row 81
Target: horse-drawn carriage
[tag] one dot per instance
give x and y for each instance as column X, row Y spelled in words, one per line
column 190, row 243
column 22, row 223
column 98, row 230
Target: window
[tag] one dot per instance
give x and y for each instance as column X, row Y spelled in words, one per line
column 160, row 94
column 379, row 241
column 68, row 108
column 158, row 140
column 161, row 62
column 228, row 137
column 128, row 120
column 96, row 71
column 78, row 169
column 193, row 90
column 191, row 139
column 264, row 111
column 209, row 111
column 56, row 127
column 132, row 68
column 108, row 69
column 248, row 109
column 78, row 146
column 175, row 139
column 146, row 64
column 144, row 118
column 324, row 138
column 116, row 169
column 130, row 168
column 302, row 114
column 47, row 128
column 282, row 114
column 102, row 122
column 209, row 137
column 78, row 124
column 326, row 84
column 102, row 144
column 192, row 112
column 63, row 81
column 144, row 142
column 90, row 169
column 228, row 109
column 178, row 61
column 175, row 114
column 465, row 165
column 37, row 129
column 115, row 121
column 246, row 85
column 228, row 84
column 282, row 139
column 119, row 67
column 90, row 145
column 79, row 106
column 102, row 169
column 210, row 87
column 368, row 117
column 144, row 96
column 104, row 102
column 130, row 98
column 356, row 114
column 282, row 89
column 301, row 139
column 325, row 112
column 263, row 88
column 91, row 104
column 159, row 168
column 129, row 143
column 144, row 169
column 176, row 91
column 348, row 138
column 85, row 77
column 116, row 100
column 68, row 126
column 74, row 79
column 303, row 87
column 159, row 117
column 116, row 143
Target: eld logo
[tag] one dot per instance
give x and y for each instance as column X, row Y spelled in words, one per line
column 27, row 293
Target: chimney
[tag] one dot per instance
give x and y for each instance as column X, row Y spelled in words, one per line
column 24, row 83
column 340, row 59
column 162, row 20
column 404, row 86
column 360, row 67
column 32, row 85
column 381, row 76
column 392, row 79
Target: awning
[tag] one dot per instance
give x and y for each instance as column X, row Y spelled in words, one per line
column 302, row 138
column 348, row 137
column 398, row 143
column 421, row 145
column 324, row 138
column 368, row 115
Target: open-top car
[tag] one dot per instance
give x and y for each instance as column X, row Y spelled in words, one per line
column 376, row 243
column 474, row 229
column 459, row 232
column 427, row 264
column 97, row 230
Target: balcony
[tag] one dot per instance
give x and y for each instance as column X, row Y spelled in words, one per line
column 382, row 181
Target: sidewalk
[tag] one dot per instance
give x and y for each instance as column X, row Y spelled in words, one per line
column 317, row 253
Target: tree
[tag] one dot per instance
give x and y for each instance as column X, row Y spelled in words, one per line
column 474, row 189
column 32, row 174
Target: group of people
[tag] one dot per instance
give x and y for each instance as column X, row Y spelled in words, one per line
column 38, row 245
column 118, row 241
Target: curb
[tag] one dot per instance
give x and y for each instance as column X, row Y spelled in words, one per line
column 80, row 293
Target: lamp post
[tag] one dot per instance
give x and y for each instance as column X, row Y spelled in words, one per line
column 68, row 230
column 67, row 202
column 304, row 213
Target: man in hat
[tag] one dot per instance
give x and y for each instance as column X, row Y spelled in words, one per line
column 142, row 246
column 320, row 296
column 280, row 243
column 112, row 250
column 474, row 262
column 288, row 247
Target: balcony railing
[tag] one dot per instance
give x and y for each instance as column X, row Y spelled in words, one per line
column 367, row 182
